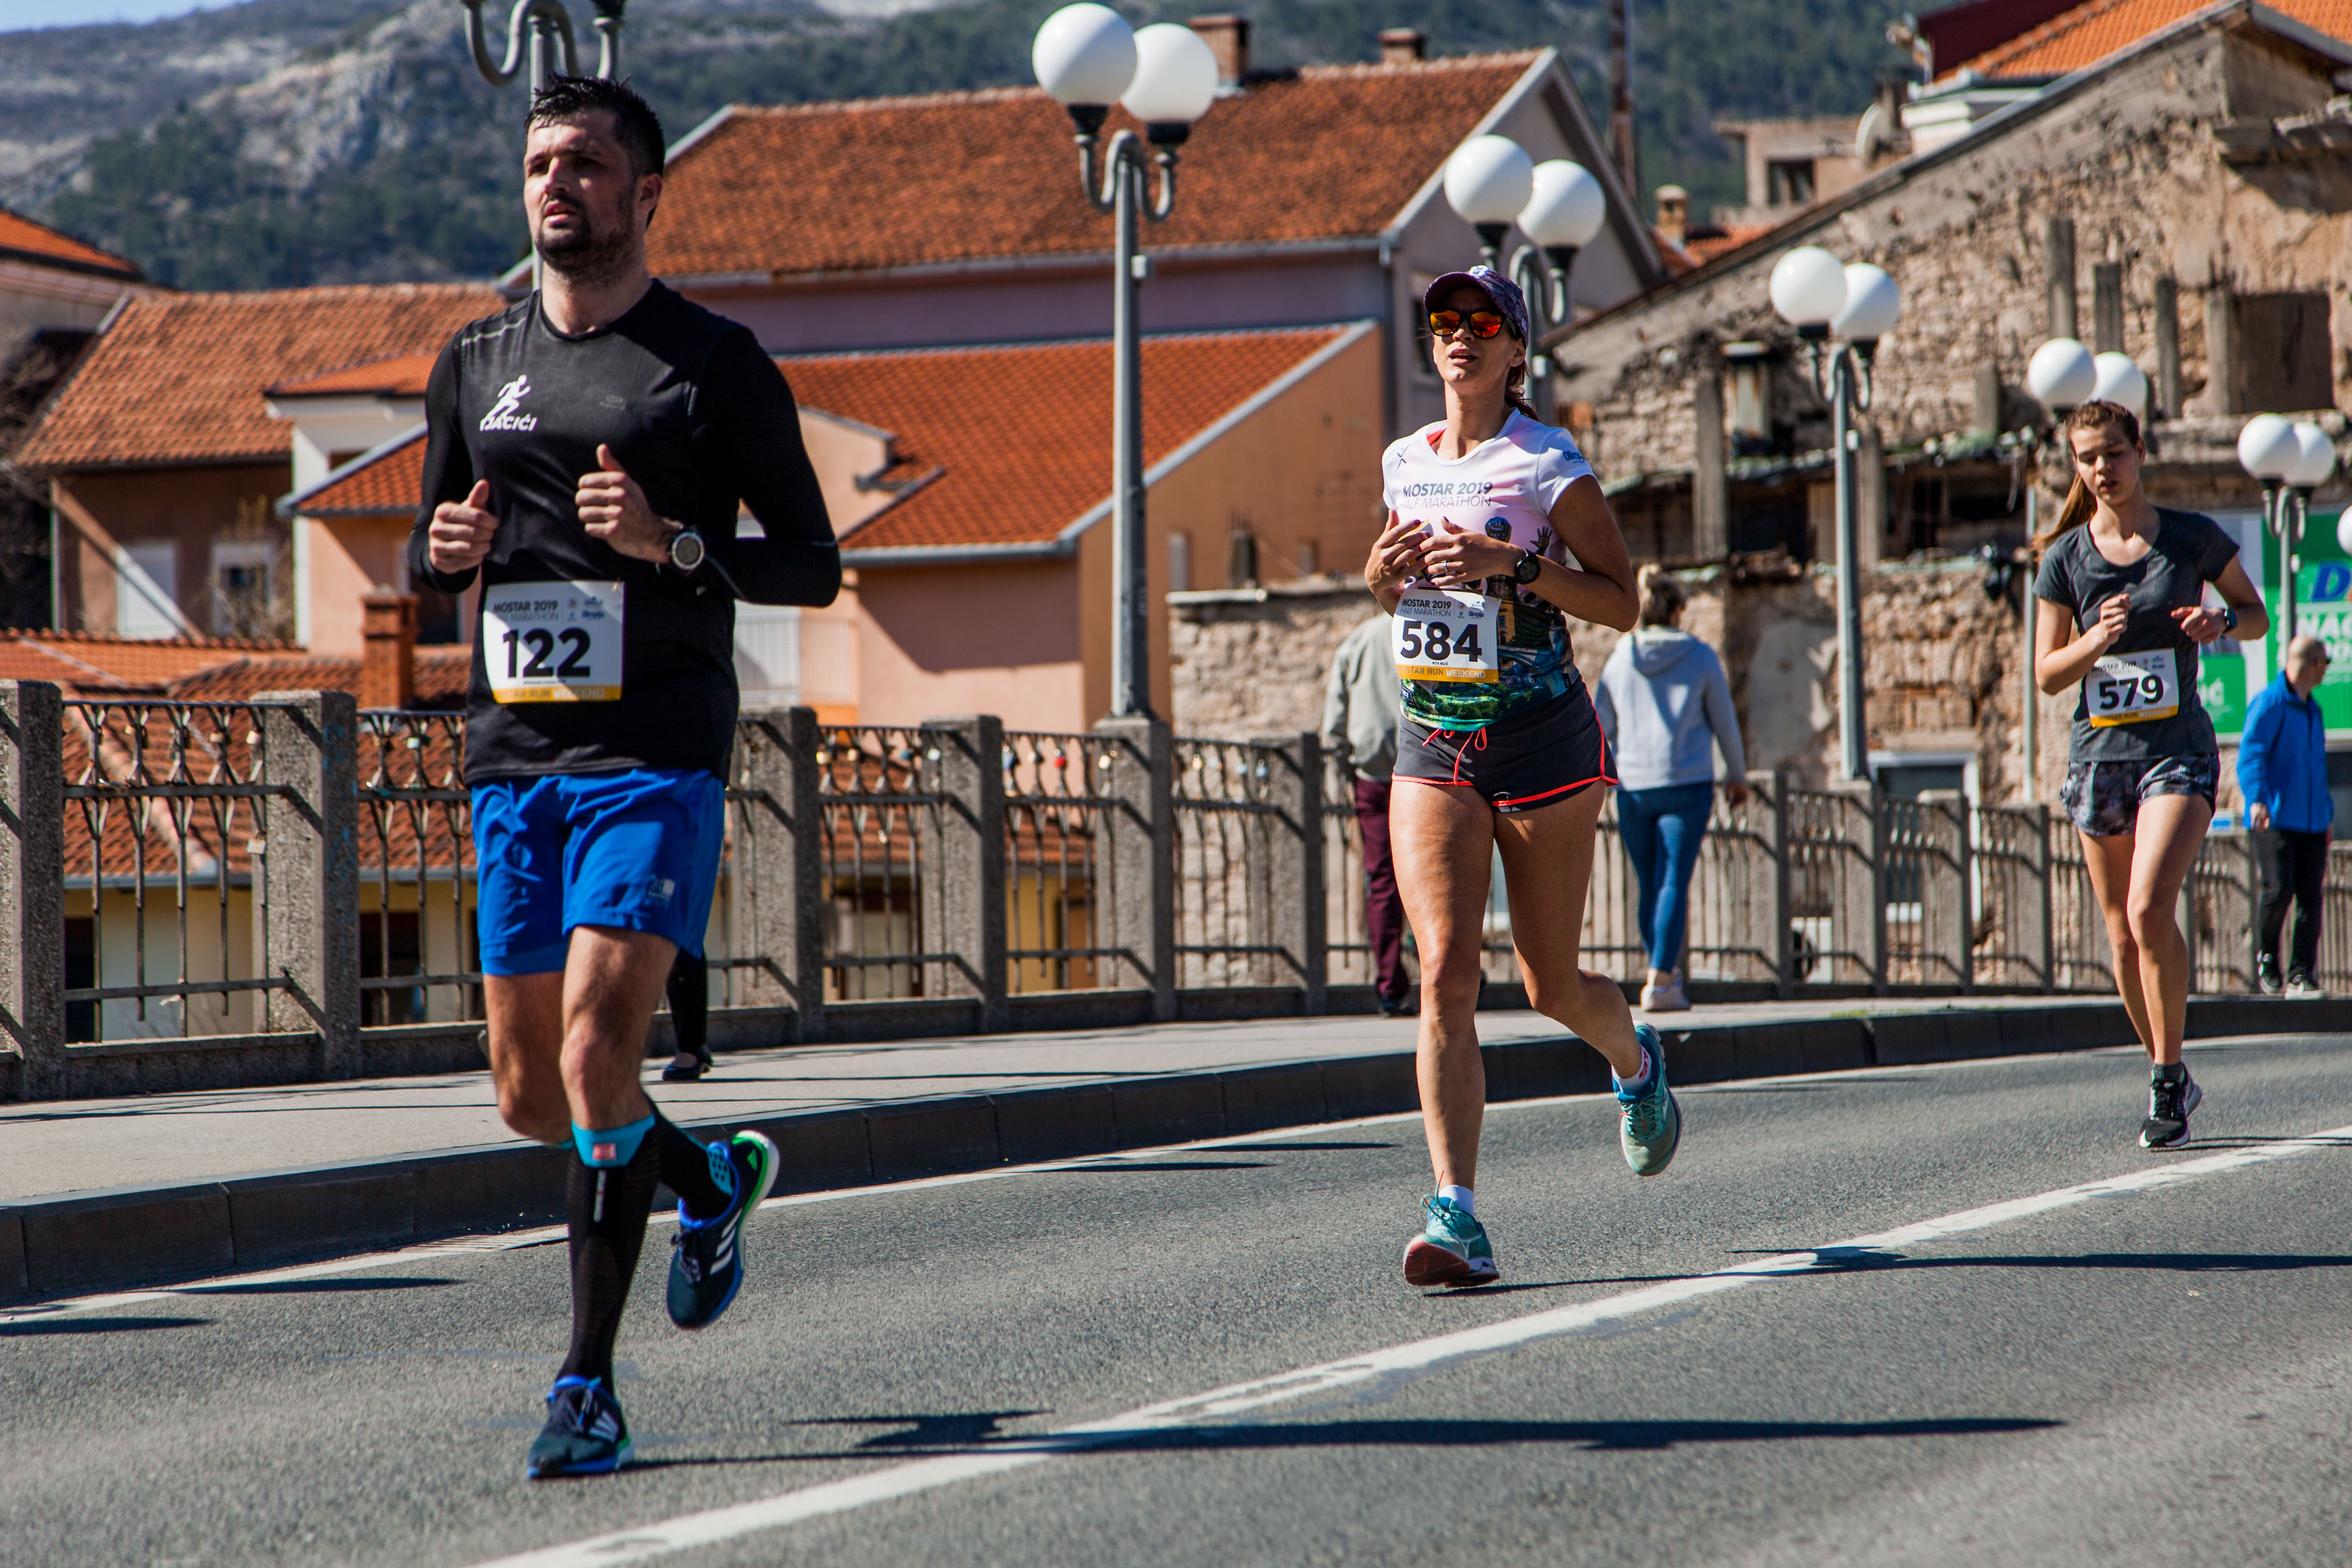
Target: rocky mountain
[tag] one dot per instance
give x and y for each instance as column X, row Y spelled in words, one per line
column 288, row 141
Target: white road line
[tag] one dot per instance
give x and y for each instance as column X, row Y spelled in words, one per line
column 715, row 1525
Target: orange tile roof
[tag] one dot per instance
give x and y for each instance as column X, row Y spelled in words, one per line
column 901, row 182
column 134, row 661
column 21, row 660
column 402, row 375
column 2091, row 32
column 1733, row 236
column 441, row 676
column 22, row 237
column 179, row 377
column 386, row 483
column 1022, row 434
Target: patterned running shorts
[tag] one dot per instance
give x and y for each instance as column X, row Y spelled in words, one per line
column 2105, row 798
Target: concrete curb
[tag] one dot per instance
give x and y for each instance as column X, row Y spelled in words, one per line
column 81, row 1242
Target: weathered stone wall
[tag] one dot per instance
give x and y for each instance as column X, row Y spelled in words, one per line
column 1247, row 662
column 2130, row 159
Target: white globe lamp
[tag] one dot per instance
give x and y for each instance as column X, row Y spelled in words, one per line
column 2115, row 379
column 1488, row 180
column 1808, row 290
column 2061, row 376
column 1085, row 57
column 2267, row 447
column 1873, row 305
column 1175, row 78
column 2315, row 457
column 1565, row 207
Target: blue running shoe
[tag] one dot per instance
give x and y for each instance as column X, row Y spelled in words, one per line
column 585, row 1433
column 1651, row 1127
column 1451, row 1250
column 706, row 1260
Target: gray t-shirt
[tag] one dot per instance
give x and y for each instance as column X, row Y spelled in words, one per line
column 2189, row 551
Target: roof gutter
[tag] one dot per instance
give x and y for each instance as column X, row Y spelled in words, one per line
column 1064, row 263
column 1059, row 549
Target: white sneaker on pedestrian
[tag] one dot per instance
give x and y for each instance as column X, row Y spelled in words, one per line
column 1665, row 996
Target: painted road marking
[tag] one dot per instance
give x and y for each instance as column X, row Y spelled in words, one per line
column 1395, row 1364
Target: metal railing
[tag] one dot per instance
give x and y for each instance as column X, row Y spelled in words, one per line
column 419, row 949
column 1057, row 862
column 880, row 796
column 1228, row 807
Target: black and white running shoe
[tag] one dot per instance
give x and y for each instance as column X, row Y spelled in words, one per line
column 2169, row 1101
column 706, row 1260
column 585, row 1435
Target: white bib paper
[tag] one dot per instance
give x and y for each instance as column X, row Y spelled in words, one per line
column 1446, row 634
column 553, row 642
column 2134, row 687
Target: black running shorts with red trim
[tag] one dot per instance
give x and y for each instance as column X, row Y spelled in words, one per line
column 1517, row 764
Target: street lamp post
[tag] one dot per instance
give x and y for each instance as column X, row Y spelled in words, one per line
column 2061, row 376
column 542, row 30
column 1492, row 184
column 1086, row 57
column 2268, row 450
column 1859, row 303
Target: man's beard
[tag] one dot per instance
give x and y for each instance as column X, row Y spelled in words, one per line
column 591, row 254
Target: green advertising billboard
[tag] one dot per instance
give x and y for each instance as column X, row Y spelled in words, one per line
column 2323, row 591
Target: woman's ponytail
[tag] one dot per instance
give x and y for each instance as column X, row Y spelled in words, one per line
column 2097, row 414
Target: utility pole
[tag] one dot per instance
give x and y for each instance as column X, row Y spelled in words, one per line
column 1621, row 97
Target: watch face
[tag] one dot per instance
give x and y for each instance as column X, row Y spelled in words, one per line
column 685, row 551
column 1529, row 568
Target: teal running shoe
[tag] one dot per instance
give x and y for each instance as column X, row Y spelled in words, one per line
column 1651, row 1127
column 1453, row 1250
column 706, row 1260
column 585, row 1433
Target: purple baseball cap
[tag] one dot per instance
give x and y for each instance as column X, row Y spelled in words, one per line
column 1494, row 285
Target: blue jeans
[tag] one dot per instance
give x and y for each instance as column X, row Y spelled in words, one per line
column 1661, row 828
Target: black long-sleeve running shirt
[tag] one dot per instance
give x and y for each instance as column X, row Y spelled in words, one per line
column 700, row 417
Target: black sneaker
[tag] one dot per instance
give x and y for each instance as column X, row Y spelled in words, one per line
column 585, row 1435
column 1398, row 1006
column 2169, row 1101
column 2299, row 983
column 2266, row 975
column 706, row 1260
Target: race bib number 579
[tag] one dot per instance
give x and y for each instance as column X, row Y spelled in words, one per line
column 553, row 642
column 2134, row 687
column 1446, row 634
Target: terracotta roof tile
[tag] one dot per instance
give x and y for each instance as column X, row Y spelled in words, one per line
column 38, row 241
column 134, row 661
column 441, row 675
column 402, row 375
column 1022, row 434
column 880, row 183
column 22, row 660
column 387, row 483
column 178, row 378
column 1733, row 236
column 2091, row 32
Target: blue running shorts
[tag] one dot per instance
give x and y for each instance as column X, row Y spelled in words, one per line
column 638, row 850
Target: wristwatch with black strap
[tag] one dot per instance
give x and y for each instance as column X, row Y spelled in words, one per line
column 1529, row 567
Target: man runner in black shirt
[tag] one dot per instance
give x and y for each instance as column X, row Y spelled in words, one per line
column 587, row 452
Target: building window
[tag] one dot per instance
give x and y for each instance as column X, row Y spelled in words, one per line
column 388, row 951
column 147, row 590
column 1788, row 181
column 1179, row 562
column 2285, row 346
column 245, row 588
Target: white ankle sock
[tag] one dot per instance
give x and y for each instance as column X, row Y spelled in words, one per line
column 1461, row 1198
column 1639, row 1078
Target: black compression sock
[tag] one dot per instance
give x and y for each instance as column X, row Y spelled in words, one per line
column 608, row 1206
column 686, row 1167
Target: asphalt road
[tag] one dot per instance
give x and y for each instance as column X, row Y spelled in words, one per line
column 2154, row 1371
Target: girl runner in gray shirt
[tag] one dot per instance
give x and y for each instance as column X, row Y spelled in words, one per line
column 2122, row 584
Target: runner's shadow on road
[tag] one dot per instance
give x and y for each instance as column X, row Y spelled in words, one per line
column 1864, row 1260
column 1112, row 1166
column 95, row 1326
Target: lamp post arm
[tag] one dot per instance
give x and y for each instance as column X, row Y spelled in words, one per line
column 608, row 46
column 549, row 13
column 1098, row 167
column 1858, row 368
column 1163, row 201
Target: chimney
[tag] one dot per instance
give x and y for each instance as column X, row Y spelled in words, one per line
column 1228, row 38
column 1403, row 46
column 1674, row 214
column 388, row 667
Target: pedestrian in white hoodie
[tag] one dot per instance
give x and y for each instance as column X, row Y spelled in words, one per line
column 1665, row 705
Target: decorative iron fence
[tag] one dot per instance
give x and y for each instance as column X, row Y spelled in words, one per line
column 293, row 872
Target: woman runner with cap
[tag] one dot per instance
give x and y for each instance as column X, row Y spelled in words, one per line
column 1499, row 748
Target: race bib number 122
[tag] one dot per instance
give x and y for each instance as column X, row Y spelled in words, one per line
column 1446, row 634
column 553, row 642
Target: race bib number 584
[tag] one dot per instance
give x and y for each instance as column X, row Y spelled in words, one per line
column 553, row 642
column 1446, row 634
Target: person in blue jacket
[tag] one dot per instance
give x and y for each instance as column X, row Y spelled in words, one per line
column 2282, row 773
